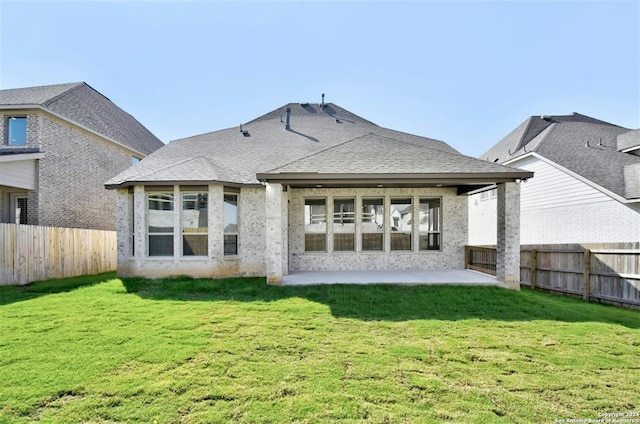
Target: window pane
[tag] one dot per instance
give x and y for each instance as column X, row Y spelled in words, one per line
column 344, row 242
column 194, row 224
column 160, row 245
column 230, row 214
column 315, row 225
column 344, row 227
column 194, row 213
column 430, row 241
column 230, row 224
column 17, row 131
column 230, row 244
column 429, row 215
column 429, row 226
column 372, row 224
column 401, row 221
column 194, row 244
column 160, row 212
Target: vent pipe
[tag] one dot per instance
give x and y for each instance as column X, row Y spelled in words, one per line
column 287, row 124
column 322, row 104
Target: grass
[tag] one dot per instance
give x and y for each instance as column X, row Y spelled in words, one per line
column 101, row 349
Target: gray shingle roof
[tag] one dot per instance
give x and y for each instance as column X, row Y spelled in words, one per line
column 80, row 103
column 629, row 139
column 230, row 156
column 563, row 140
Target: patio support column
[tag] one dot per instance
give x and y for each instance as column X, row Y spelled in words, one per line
column 276, row 231
column 508, row 242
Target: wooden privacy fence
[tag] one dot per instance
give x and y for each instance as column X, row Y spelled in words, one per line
column 31, row 253
column 607, row 272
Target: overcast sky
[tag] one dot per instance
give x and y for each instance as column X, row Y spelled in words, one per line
column 464, row 72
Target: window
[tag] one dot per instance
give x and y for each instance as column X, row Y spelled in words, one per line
column 429, row 228
column 16, row 131
column 195, row 224
column 401, row 220
column 372, row 224
column 344, row 227
column 315, row 225
column 160, row 218
column 19, row 208
column 230, row 224
column 489, row 194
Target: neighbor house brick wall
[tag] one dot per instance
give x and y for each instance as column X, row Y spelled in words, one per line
column 72, row 174
column 454, row 233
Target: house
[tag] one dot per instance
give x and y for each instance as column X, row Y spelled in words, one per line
column 305, row 187
column 58, row 144
column 586, row 188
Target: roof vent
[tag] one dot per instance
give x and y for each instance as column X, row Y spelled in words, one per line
column 287, row 125
column 322, row 104
column 338, row 121
column 304, row 104
column 244, row 132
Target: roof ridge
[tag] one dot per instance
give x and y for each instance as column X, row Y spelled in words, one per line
column 64, row 93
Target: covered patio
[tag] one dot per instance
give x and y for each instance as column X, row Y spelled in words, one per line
column 408, row 277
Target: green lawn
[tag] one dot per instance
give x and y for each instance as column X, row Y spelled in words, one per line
column 101, row 349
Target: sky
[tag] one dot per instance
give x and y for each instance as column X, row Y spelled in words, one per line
column 465, row 72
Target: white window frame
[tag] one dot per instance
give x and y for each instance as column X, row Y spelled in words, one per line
column 150, row 234
column 231, row 233
column 198, row 233
column 440, row 218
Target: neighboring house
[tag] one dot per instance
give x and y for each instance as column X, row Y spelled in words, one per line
column 58, row 145
column 586, row 187
column 305, row 187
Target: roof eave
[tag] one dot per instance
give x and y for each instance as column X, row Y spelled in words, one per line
column 426, row 179
column 125, row 184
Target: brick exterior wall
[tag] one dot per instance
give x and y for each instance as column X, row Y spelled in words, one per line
column 70, row 185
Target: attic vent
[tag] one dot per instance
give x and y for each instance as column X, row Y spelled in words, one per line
column 304, row 104
column 338, row 121
column 496, row 159
column 244, row 132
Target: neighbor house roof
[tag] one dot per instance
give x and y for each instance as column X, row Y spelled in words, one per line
column 323, row 140
column 629, row 140
column 81, row 104
column 584, row 145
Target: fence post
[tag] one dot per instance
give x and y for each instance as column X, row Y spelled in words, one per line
column 467, row 257
column 534, row 265
column 586, row 274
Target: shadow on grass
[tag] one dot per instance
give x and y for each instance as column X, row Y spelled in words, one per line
column 12, row 294
column 393, row 303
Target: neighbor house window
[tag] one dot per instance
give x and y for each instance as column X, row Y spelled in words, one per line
column 315, row 225
column 160, row 218
column 195, row 225
column 230, row 224
column 429, row 227
column 401, row 219
column 344, row 227
column 373, row 224
column 16, row 131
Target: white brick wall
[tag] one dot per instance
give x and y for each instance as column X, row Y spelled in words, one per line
column 558, row 208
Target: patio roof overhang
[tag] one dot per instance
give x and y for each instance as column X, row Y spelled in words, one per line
column 464, row 182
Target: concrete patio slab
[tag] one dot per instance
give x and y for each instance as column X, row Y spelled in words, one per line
column 410, row 277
